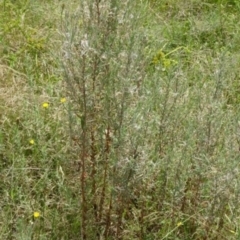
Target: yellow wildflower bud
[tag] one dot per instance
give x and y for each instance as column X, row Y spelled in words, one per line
column 45, row 105
column 36, row 214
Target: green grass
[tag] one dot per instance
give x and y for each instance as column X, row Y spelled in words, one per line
column 119, row 120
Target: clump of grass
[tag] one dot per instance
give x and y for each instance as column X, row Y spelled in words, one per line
column 26, row 34
column 29, row 183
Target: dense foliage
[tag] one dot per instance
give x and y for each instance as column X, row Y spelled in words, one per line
column 119, row 119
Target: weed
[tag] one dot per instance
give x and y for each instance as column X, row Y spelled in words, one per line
column 140, row 140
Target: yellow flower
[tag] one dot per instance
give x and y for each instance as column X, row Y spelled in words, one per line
column 36, row 214
column 179, row 224
column 63, row 100
column 32, row 142
column 45, row 105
